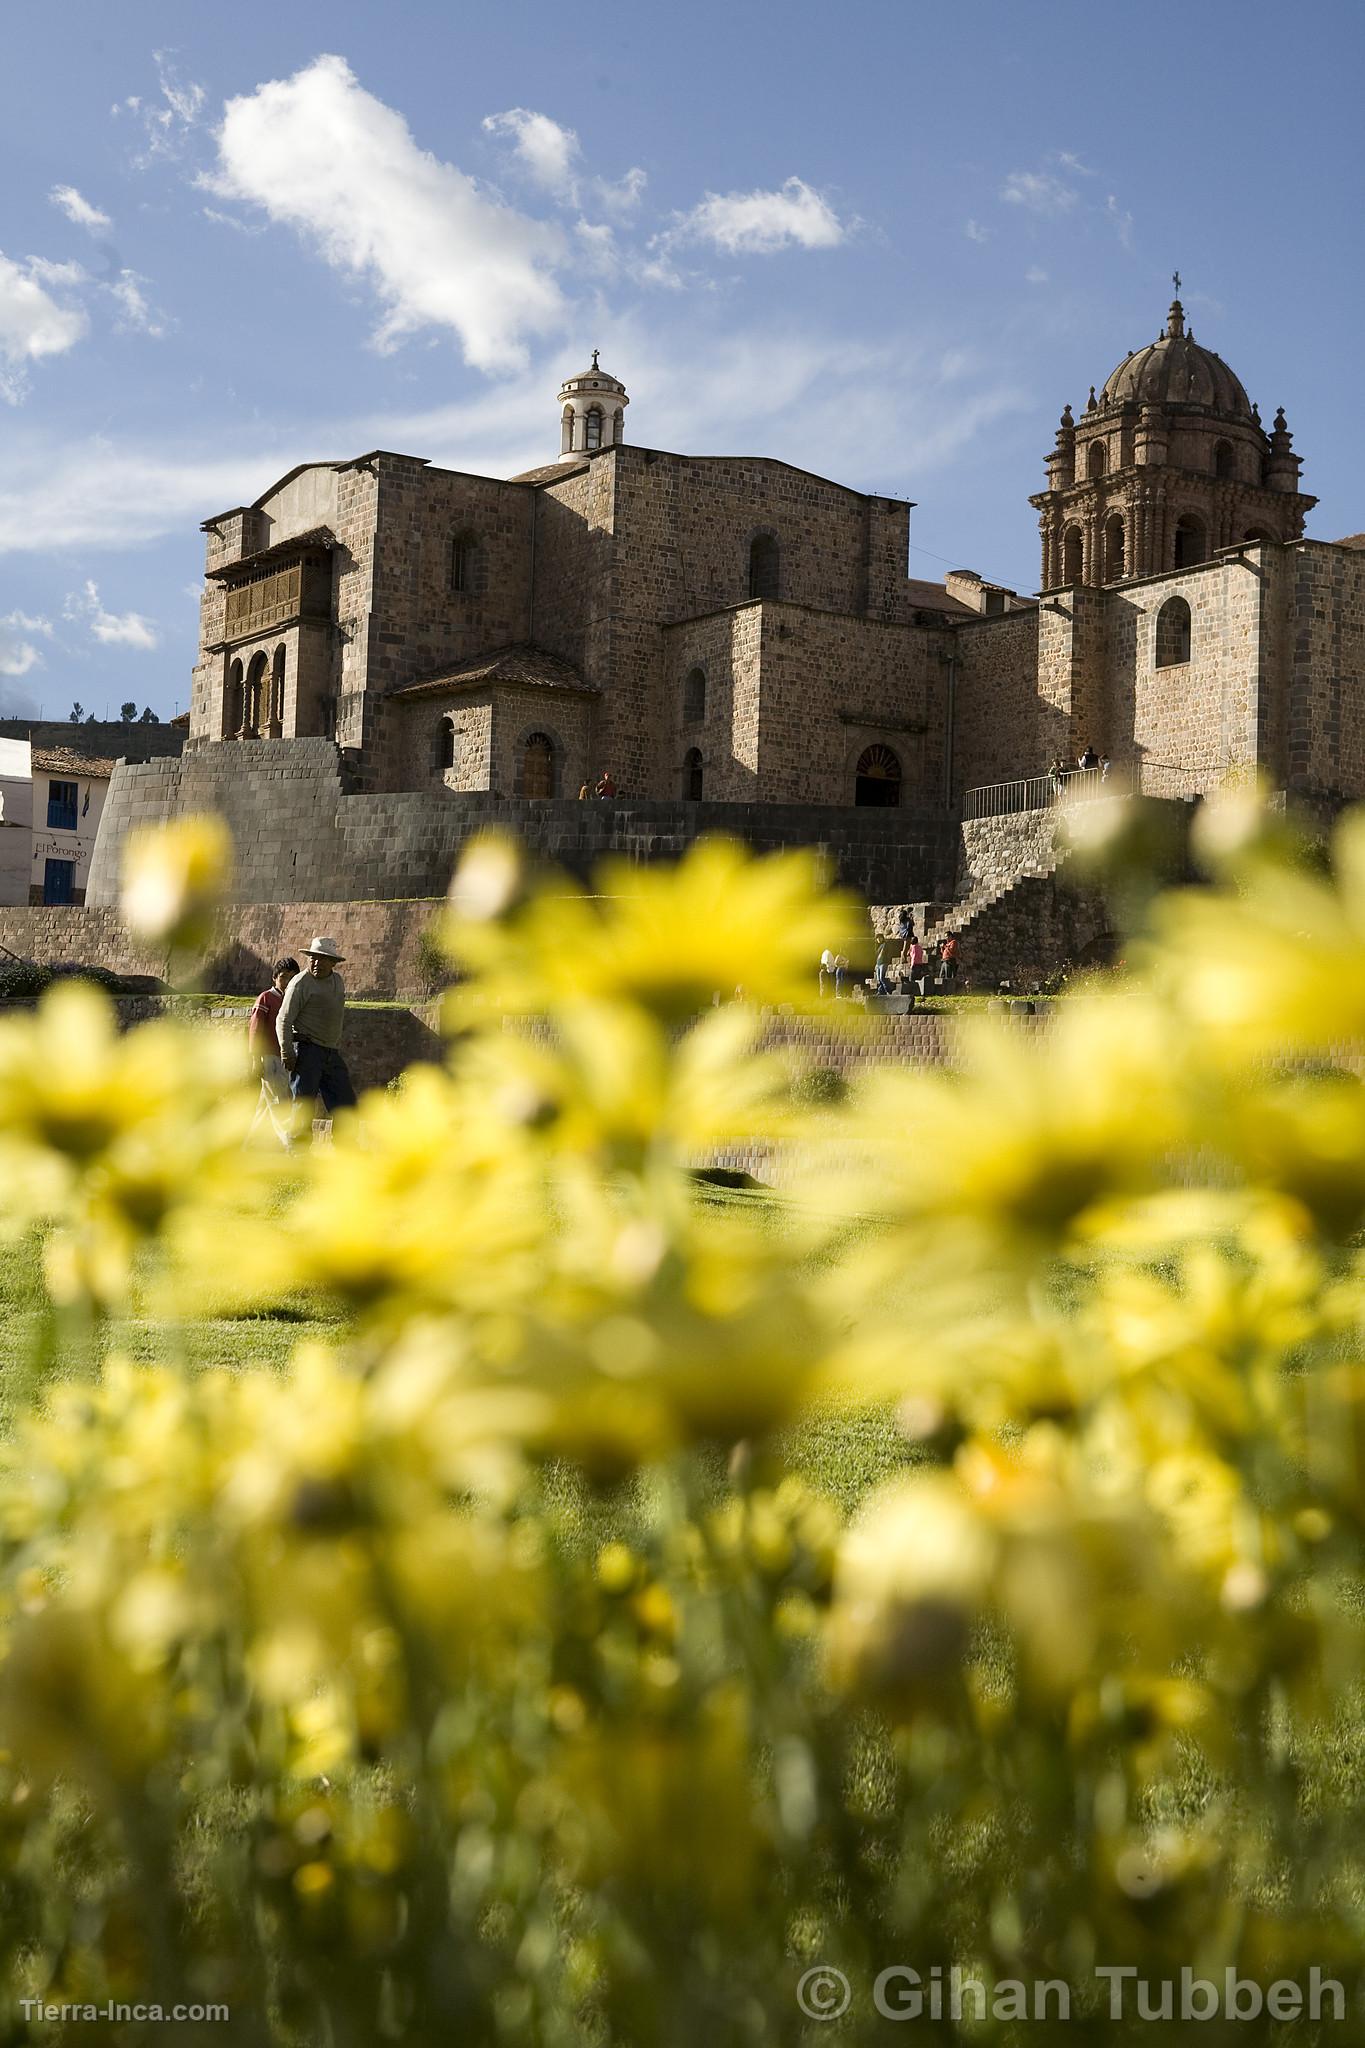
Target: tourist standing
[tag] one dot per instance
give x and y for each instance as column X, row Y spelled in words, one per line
column 310, row 1024
column 605, row 786
column 263, row 1052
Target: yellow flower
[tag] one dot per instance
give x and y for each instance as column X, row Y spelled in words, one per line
column 174, row 877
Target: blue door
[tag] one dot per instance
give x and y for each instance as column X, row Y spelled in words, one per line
column 59, row 881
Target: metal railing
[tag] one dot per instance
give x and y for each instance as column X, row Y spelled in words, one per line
column 1039, row 792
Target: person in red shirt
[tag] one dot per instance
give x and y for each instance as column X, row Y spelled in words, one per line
column 263, row 1052
column 605, row 786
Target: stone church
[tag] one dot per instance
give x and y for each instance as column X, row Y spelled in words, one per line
column 733, row 630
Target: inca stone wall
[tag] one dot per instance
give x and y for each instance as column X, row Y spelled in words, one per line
column 299, row 836
column 1001, row 733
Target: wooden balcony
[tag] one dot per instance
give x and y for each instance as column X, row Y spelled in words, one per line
column 270, row 598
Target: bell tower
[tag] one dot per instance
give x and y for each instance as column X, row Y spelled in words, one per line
column 591, row 409
column 1168, row 464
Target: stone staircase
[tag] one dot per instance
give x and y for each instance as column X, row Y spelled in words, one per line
column 1011, row 919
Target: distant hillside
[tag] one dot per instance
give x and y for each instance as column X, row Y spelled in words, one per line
column 106, row 738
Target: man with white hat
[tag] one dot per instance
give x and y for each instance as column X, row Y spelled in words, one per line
column 310, row 1030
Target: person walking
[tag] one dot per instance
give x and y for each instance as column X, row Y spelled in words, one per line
column 263, row 1053
column 310, row 1023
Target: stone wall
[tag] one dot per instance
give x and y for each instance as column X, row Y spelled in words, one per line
column 300, row 837
column 999, row 733
column 1183, row 726
column 1324, row 669
column 382, row 942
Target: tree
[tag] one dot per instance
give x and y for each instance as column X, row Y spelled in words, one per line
column 149, row 717
column 128, row 712
column 77, row 713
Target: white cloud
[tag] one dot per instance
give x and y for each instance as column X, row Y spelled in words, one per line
column 32, row 323
column 17, row 654
column 165, row 123
column 1121, row 221
column 759, row 222
column 1069, row 162
column 230, row 220
column 323, row 156
column 111, row 629
column 546, row 152
column 597, row 244
column 104, row 494
column 134, row 312
column 1039, row 191
column 1035, row 275
column 975, row 232
column 623, row 195
column 78, row 209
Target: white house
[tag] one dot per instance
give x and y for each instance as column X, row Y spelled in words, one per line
column 50, row 804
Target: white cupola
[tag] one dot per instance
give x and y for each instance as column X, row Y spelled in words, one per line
column 591, row 409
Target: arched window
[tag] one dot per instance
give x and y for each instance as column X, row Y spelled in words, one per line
column 566, row 431
column 256, row 706
column 618, row 426
column 536, row 770
column 694, row 697
column 692, row 775
column 445, row 743
column 234, row 702
column 1259, row 533
column 1113, row 549
column 1073, row 555
column 1190, row 545
column 1223, row 464
column 1097, row 459
column 764, row 566
column 877, row 777
column 592, row 427
column 277, row 693
column 1171, row 640
column 464, row 562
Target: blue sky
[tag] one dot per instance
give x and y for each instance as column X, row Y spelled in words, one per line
column 885, row 242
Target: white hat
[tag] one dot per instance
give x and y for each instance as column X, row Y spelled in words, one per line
column 325, row 949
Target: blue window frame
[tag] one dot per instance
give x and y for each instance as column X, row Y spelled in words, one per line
column 59, row 881
column 61, row 806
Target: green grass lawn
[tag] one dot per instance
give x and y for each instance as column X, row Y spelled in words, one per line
column 35, row 1341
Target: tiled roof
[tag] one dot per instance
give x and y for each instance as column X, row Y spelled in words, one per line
column 551, row 472
column 316, row 537
column 526, row 668
column 65, row 761
column 1350, row 540
column 933, row 597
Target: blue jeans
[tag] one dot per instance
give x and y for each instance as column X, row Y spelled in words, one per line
column 320, row 1072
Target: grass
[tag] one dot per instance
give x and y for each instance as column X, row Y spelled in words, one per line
column 35, row 1340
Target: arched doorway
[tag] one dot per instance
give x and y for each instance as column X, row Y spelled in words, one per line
column 257, row 687
column 536, row 773
column 877, row 777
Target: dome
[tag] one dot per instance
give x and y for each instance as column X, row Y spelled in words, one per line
column 1176, row 371
column 594, row 378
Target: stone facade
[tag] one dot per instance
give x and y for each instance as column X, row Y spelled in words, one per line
column 392, row 653
column 303, row 833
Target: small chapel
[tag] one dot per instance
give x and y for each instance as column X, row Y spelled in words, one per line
column 733, row 629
